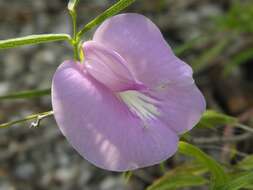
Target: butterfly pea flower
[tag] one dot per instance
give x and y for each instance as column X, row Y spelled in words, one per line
column 126, row 104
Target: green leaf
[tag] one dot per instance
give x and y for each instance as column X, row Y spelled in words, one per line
column 184, row 175
column 116, row 8
column 191, row 167
column 72, row 5
column 212, row 118
column 27, row 118
column 246, row 163
column 243, row 56
column 179, row 181
column 218, row 175
column 249, row 186
column 210, row 55
column 189, row 44
column 32, row 39
column 26, row 94
column 238, row 59
column 243, row 180
column 238, row 17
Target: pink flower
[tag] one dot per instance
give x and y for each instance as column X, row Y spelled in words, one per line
column 125, row 106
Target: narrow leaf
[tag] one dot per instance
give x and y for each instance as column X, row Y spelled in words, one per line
column 116, row 8
column 246, row 163
column 179, row 181
column 243, row 56
column 26, row 94
column 242, row 181
column 238, row 59
column 212, row 118
column 32, row 39
column 191, row 167
column 185, row 175
column 219, row 176
column 208, row 56
column 72, row 5
column 189, row 45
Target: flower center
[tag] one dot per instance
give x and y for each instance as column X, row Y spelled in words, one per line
column 140, row 104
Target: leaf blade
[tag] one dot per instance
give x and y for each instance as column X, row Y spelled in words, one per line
column 239, row 182
column 212, row 118
column 32, row 39
column 180, row 181
column 185, row 175
column 219, row 176
column 114, row 9
column 246, row 163
column 207, row 57
column 27, row 94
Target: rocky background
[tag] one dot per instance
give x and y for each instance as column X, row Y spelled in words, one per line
column 200, row 31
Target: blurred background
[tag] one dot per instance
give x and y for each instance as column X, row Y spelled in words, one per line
column 213, row 36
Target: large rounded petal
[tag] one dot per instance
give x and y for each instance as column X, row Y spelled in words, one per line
column 101, row 127
column 179, row 102
column 180, row 107
column 142, row 45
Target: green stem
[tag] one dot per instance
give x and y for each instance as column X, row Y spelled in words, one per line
column 76, row 49
column 37, row 116
column 127, row 175
column 163, row 167
column 73, row 16
column 75, row 41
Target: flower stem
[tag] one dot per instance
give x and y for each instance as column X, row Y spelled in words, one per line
column 37, row 116
column 75, row 40
column 127, row 175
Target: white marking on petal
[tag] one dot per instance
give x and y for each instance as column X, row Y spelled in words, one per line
column 140, row 104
